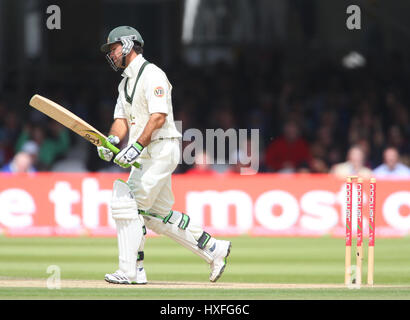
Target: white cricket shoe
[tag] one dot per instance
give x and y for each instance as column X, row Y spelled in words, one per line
column 141, row 276
column 119, row 277
column 222, row 251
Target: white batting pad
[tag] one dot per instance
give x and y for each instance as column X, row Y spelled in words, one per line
column 123, row 204
column 124, row 211
column 129, row 235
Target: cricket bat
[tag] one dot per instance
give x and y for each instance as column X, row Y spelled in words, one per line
column 72, row 122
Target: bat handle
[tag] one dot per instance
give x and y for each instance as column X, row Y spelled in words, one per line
column 115, row 150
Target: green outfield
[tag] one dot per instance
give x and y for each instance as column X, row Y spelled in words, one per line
column 258, row 268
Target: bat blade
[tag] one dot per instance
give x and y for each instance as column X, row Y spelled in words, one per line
column 73, row 122
column 68, row 119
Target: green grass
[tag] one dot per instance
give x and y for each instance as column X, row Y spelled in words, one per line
column 254, row 260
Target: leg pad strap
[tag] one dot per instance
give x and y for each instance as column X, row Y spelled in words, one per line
column 203, row 240
column 177, row 217
column 140, row 256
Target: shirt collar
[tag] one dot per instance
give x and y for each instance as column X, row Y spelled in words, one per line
column 133, row 67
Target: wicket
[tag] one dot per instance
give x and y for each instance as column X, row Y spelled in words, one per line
column 349, row 232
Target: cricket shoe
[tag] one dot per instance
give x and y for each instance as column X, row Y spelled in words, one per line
column 141, row 276
column 119, row 277
column 221, row 252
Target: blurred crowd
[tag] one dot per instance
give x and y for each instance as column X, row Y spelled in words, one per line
column 313, row 118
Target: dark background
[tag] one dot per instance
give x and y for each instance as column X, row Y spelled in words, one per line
column 250, row 64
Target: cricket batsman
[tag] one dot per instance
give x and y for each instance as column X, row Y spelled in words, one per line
column 144, row 112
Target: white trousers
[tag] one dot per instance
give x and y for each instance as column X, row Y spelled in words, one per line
column 152, row 188
column 151, row 184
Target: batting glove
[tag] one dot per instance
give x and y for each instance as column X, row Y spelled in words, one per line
column 126, row 157
column 105, row 153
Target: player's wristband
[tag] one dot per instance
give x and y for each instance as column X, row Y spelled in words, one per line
column 138, row 146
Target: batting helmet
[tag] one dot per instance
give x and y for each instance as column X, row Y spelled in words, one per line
column 128, row 36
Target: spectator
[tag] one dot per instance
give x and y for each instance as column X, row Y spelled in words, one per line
column 30, row 147
column 353, row 166
column 398, row 140
column 52, row 143
column 318, row 165
column 288, row 152
column 9, row 131
column 391, row 166
column 21, row 163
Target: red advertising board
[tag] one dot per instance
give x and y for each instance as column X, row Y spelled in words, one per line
column 67, row 204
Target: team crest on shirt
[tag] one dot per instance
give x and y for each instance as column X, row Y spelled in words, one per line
column 159, row 92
